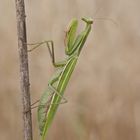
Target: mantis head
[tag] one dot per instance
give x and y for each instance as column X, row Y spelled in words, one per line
column 75, row 43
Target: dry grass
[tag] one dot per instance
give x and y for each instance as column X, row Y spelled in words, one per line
column 104, row 90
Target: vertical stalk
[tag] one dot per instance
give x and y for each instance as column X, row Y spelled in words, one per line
column 24, row 70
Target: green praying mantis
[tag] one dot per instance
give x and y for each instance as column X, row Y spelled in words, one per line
column 51, row 98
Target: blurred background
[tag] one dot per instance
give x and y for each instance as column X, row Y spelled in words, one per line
column 103, row 93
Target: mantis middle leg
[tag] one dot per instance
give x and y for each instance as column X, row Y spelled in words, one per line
column 50, row 46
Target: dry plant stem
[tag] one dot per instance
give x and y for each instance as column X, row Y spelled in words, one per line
column 24, row 71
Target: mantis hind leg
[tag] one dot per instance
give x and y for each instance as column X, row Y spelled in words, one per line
column 56, row 92
column 51, row 92
column 51, row 86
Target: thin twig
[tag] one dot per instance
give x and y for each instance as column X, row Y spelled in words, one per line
column 24, row 71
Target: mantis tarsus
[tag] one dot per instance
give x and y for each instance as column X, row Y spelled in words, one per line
column 58, row 83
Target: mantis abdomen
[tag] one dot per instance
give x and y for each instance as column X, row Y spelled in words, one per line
column 59, row 86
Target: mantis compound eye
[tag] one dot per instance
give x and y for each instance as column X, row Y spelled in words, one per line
column 88, row 20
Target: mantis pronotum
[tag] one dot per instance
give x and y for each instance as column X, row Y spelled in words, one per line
column 60, row 79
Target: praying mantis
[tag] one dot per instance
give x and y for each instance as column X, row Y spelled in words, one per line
column 51, row 98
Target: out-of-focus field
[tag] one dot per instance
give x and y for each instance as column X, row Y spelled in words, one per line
column 104, row 91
